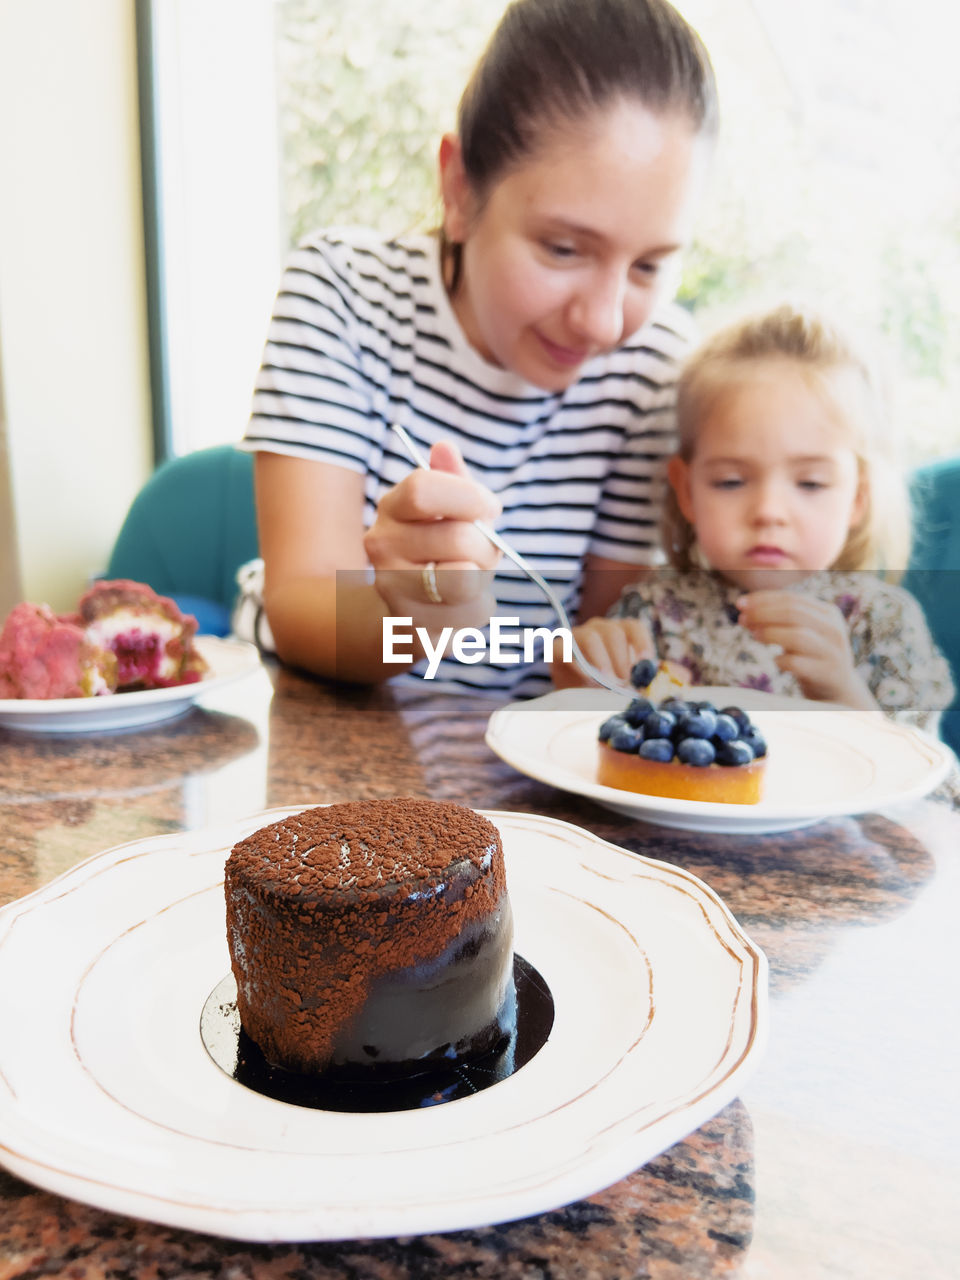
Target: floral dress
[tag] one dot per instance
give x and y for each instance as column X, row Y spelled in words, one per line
column 695, row 622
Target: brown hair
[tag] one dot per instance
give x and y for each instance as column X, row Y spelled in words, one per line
column 555, row 61
column 881, row 538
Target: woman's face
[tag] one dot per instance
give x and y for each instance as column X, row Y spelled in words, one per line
column 573, row 248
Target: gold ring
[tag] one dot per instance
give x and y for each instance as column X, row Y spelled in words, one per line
column 428, row 577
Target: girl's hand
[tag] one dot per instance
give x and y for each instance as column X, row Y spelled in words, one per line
column 428, row 518
column 815, row 642
column 611, row 644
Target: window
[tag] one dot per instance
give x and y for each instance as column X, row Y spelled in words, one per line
column 838, row 179
column 837, row 176
column 219, row 242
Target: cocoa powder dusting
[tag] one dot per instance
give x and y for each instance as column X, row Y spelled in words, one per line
column 321, row 904
column 365, row 847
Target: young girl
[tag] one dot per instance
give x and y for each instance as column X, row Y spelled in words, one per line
column 530, row 349
column 783, row 499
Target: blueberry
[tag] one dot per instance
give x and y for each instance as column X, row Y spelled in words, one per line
column 642, row 673
column 696, row 751
column 756, row 742
column 636, row 711
column 698, row 723
column 726, row 728
column 626, row 739
column 658, row 724
column 706, row 706
column 676, row 706
column 736, row 752
column 657, row 749
column 610, row 726
column 738, row 714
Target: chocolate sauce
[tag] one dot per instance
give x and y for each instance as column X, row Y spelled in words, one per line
column 374, row 1088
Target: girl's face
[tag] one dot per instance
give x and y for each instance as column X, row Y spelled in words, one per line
column 573, row 248
column 773, row 483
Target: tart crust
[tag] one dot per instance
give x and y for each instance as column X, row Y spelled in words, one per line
column 716, row 783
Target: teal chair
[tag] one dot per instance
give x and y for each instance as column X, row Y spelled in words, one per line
column 189, row 529
column 934, row 572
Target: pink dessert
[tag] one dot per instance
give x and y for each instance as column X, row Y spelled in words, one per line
column 149, row 636
column 122, row 637
column 43, row 656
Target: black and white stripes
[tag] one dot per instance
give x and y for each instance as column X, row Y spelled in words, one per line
column 363, row 335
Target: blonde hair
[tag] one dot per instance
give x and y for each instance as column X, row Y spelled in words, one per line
column 880, row 540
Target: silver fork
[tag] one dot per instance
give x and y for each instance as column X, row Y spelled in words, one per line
column 585, row 665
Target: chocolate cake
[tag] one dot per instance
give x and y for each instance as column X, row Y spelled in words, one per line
column 372, row 936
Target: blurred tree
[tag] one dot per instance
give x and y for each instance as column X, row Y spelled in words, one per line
column 837, row 177
column 367, row 90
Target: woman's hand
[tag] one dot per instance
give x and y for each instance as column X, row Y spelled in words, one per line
column 427, row 519
column 815, row 642
column 613, row 645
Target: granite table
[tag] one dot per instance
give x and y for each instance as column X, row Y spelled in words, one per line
column 840, row 1157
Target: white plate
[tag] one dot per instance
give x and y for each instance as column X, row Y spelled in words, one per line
column 822, row 761
column 227, row 660
column 108, row 1095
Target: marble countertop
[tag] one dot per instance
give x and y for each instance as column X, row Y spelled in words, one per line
column 841, row 1156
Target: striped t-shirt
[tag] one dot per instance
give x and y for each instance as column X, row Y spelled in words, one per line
column 364, row 335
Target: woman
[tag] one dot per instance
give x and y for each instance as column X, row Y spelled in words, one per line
column 530, row 347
